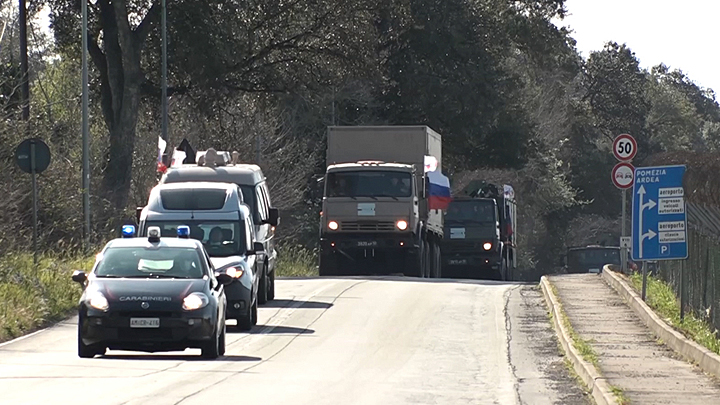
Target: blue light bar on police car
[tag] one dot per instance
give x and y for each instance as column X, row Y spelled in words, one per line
column 128, row 231
column 183, row 231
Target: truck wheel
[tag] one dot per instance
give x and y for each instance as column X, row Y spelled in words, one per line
column 427, row 262
column 271, row 286
column 504, row 271
column 438, row 262
column 327, row 265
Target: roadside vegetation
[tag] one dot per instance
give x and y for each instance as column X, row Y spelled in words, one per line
column 30, row 297
column 661, row 298
column 296, row 261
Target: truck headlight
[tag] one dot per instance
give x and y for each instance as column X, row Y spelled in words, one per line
column 487, row 245
column 195, row 301
column 333, row 225
column 401, row 225
column 98, row 301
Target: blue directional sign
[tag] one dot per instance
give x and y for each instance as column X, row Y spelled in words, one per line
column 659, row 224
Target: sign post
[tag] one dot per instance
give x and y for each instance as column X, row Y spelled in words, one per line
column 659, row 221
column 33, row 156
column 624, row 150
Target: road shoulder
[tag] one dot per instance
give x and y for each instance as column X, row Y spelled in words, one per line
column 537, row 361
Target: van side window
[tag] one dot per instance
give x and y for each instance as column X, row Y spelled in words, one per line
column 262, row 208
column 266, row 193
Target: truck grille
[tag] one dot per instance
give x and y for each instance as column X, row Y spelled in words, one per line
column 367, row 226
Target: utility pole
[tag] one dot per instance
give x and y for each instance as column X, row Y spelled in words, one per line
column 25, row 86
column 163, row 24
column 85, row 127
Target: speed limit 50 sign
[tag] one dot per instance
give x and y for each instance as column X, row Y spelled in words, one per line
column 624, row 147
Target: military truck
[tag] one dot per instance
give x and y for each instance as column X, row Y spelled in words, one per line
column 592, row 259
column 480, row 232
column 380, row 213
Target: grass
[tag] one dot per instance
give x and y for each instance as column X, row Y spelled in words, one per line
column 33, row 298
column 296, row 261
column 583, row 346
column 661, row 297
column 619, row 395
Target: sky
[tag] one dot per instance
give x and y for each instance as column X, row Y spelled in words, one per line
column 680, row 34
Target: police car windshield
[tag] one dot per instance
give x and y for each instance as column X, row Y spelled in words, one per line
column 221, row 238
column 140, row 262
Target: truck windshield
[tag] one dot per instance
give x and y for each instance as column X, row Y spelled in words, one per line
column 221, row 238
column 140, row 262
column 591, row 258
column 482, row 211
column 369, row 183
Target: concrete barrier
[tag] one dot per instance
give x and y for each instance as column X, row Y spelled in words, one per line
column 596, row 383
column 707, row 360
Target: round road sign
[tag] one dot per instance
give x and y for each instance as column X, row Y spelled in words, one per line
column 624, row 147
column 623, row 175
column 42, row 155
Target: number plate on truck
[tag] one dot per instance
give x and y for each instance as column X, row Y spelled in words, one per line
column 144, row 322
column 457, row 261
column 363, row 243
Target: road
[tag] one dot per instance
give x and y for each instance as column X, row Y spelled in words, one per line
column 326, row 341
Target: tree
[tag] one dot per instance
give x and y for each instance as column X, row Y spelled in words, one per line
column 217, row 49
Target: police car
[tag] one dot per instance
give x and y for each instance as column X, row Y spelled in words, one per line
column 152, row 295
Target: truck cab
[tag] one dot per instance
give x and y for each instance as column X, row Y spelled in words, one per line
column 480, row 229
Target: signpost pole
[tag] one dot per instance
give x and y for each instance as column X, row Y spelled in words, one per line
column 34, row 201
column 682, row 290
column 623, row 250
column 644, row 283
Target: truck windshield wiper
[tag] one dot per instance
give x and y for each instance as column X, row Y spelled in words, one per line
column 385, row 195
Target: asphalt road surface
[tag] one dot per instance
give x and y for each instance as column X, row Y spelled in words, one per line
column 388, row 340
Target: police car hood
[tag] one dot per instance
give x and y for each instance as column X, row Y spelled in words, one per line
column 130, row 293
column 222, row 263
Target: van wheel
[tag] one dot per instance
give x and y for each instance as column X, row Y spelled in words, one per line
column 263, row 288
column 271, row 286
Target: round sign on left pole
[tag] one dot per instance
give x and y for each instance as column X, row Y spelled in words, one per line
column 623, row 175
column 23, row 155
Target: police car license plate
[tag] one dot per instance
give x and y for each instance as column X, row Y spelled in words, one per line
column 144, row 322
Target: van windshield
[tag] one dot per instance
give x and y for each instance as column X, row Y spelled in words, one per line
column 221, row 238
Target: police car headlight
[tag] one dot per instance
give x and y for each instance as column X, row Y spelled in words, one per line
column 234, row 272
column 195, row 301
column 98, row 301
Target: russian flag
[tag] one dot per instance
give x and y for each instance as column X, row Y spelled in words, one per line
column 438, row 191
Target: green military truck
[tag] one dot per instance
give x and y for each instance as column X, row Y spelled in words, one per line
column 377, row 209
column 481, row 233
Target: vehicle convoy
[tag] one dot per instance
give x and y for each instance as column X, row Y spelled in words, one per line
column 217, row 217
column 152, row 294
column 480, row 232
column 222, row 167
column 380, row 211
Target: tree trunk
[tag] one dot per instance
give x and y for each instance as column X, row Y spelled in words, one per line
column 121, row 78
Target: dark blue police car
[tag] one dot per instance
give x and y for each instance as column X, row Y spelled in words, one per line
column 152, row 295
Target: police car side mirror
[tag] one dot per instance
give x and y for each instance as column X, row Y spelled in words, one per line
column 224, row 278
column 79, row 276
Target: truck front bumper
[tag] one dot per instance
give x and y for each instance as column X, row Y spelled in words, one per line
column 354, row 242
